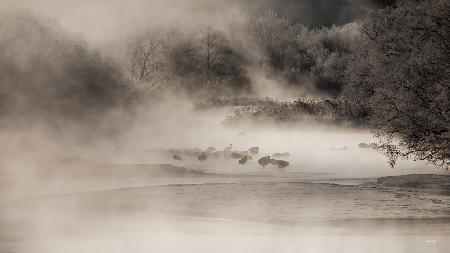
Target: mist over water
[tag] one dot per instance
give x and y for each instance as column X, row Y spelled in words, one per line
column 89, row 168
column 64, row 200
column 313, row 148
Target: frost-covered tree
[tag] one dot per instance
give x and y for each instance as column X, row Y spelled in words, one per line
column 273, row 35
column 401, row 72
column 303, row 56
column 197, row 61
column 221, row 63
column 148, row 62
column 330, row 49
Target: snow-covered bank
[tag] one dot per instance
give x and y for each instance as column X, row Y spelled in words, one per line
column 417, row 181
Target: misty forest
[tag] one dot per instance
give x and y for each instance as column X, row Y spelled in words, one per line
column 225, row 126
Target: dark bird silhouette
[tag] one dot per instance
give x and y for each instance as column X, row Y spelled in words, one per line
column 243, row 160
column 280, row 163
column 264, row 161
column 202, row 157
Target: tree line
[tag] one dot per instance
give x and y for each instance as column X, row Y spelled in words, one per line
column 219, row 61
column 392, row 68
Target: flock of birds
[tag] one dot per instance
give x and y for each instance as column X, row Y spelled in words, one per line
column 228, row 153
column 242, row 157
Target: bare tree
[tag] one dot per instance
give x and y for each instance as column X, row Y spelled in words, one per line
column 222, row 65
column 210, row 43
column 272, row 34
column 148, row 64
column 402, row 73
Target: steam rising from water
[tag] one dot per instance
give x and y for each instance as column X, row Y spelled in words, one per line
column 39, row 161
